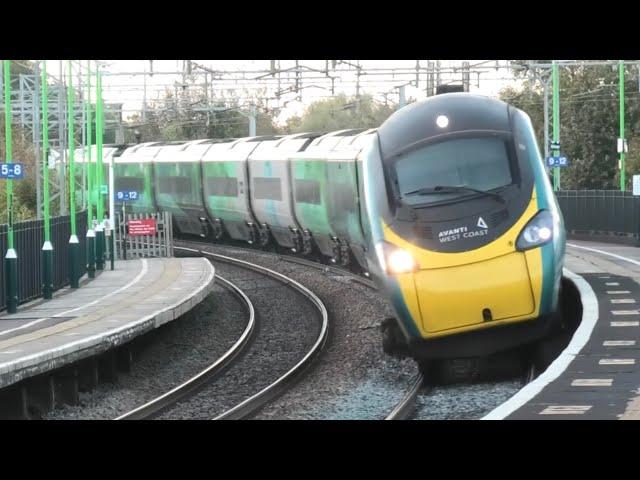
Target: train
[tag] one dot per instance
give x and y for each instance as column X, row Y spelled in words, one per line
column 447, row 206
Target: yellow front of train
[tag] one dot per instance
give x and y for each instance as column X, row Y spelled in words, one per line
column 465, row 235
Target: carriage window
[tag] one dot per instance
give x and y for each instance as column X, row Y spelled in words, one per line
column 222, row 186
column 267, row 188
column 344, row 197
column 129, row 184
column 174, row 185
column 308, row 191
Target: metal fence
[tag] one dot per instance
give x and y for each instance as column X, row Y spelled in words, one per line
column 28, row 240
column 158, row 245
column 609, row 213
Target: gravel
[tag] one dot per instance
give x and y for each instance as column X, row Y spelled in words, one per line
column 464, row 402
column 288, row 325
column 354, row 378
column 167, row 357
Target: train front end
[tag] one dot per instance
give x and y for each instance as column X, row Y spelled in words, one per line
column 465, row 235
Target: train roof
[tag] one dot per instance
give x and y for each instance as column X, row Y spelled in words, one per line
column 416, row 123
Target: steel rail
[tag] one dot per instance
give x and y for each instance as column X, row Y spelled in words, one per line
column 268, row 393
column 163, row 401
column 405, row 407
column 301, row 261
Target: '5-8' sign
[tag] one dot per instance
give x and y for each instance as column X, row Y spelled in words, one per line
column 11, row 170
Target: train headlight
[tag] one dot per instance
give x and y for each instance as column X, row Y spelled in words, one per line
column 394, row 259
column 537, row 232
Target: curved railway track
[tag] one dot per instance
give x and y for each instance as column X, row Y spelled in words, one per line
column 407, row 408
column 191, row 387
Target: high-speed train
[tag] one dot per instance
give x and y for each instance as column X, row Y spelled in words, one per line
column 446, row 205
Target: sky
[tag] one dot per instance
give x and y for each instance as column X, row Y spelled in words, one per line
column 129, row 89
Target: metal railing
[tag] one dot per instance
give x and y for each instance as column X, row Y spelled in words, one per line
column 28, row 240
column 158, row 245
column 609, row 213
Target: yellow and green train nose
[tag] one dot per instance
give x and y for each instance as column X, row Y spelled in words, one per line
column 463, row 296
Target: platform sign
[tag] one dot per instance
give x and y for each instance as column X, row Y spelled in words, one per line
column 142, row 227
column 557, row 161
column 11, row 170
column 126, row 196
column 636, row 185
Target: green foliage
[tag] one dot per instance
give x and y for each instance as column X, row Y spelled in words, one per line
column 24, row 191
column 340, row 112
column 186, row 118
column 589, row 123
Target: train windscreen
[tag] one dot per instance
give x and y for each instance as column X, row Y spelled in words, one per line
column 453, row 169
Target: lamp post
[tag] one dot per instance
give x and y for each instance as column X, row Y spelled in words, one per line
column 74, row 245
column 100, row 240
column 556, row 123
column 622, row 142
column 47, row 247
column 11, row 257
column 91, row 235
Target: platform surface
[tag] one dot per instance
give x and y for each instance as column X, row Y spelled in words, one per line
column 598, row 376
column 109, row 310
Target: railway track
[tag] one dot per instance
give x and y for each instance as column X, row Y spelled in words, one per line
column 405, row 407
column 412, row 403
column 300, row 261
column 224, row 368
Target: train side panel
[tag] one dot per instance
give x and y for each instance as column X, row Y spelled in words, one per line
column 178, row 187
column 270, row 186
column 225, row 187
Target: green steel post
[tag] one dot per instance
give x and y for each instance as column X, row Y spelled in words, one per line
column 556, row 122
column 100, row 239
column 622, row 155
column 47, row 247
column 74, row 245
column 91, row 235
column 11, row 257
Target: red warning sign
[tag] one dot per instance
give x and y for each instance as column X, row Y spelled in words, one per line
column 139, row 228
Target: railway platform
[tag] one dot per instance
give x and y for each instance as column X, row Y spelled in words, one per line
column 105, row 312
column 597, row 376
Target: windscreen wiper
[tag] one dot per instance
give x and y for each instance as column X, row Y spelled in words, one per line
column 438, row 189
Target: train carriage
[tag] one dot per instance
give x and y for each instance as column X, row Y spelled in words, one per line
column 225, row 181
column 345, row 211
column 133, row 171
column 81, row 171
column 466, row 238
column 178, row 185
column 325, row 193
column 309, row 183
column 270, row 190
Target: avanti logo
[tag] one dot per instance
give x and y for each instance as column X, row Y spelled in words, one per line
column 482, row 223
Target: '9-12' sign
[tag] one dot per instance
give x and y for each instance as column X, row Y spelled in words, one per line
column 127, row 195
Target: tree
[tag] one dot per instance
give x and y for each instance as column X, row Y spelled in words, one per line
column 340, row 112
column 589, row 123
column 190, row 114
column 24, row 190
